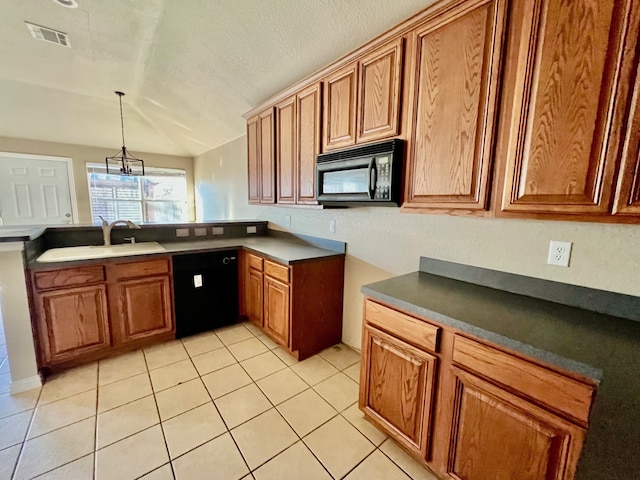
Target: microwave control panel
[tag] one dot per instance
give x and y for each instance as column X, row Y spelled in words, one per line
column 383, row 182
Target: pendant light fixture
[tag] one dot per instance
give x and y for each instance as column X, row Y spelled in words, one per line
column 127, row 163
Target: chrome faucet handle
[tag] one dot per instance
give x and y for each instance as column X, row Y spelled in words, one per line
column 132, row 239
column 104, row 222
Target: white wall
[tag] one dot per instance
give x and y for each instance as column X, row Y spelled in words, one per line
column 83, row 154
column 14, row 309
column 383, row 242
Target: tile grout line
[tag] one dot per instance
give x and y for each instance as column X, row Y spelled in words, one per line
column 95, row 425
column 301, row 439
column 14, row 471
column 155, row 401
column 218, row 410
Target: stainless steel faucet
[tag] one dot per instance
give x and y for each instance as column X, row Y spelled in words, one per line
column 106, row 228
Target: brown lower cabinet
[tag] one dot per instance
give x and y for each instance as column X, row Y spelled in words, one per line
column 88, row 312
column 466, row 409
column 299, row 306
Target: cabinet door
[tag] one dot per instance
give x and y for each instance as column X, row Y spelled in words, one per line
column 254, row 296
column 144, row 308
column 276, row 310
column 380, row 76
column 500, row 436
column 340, row 108
column 397, row 388
column 628, row 193
column 286, row 150
column 267, row 157
column 457, row 64
column 73, row 322
column 309, row 107
column 562, row 75
column 253, row 154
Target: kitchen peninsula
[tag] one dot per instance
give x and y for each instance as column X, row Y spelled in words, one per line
column 82, row 310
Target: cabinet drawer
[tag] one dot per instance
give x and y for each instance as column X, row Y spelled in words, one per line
column 69, row 277
column 276, row 271
column 552, row 389
column 409, row 329
column 141, row 269
column 254, row 261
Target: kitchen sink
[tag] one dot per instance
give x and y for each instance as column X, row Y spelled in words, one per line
column 68, row 254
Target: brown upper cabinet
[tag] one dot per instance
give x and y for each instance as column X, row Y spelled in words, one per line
column 456, row 65
column 298, row 144
column 566, row 90
column 362, row 101
column 340, row 108
column 627, row 200
column 508, row 108
column 380, row 77
column 261, row 157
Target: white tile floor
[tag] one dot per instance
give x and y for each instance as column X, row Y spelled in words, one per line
column 225, row 405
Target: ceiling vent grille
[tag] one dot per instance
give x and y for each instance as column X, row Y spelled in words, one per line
column 48, row 35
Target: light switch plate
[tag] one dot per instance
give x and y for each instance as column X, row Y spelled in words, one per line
column 217, row 230
column 287, row 220
column 332, row 226
column 252, row 229
column 182, row 232
column 200, row 231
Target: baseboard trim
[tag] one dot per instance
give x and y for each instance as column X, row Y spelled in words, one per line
column 25, row 384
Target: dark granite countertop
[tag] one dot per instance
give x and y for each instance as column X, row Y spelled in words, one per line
column 286, row 252
column 280, row 250
column 599, row 346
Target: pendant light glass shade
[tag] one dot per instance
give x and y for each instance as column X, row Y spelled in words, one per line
column 124, row 161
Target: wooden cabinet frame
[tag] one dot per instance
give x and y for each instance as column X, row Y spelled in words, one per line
column 544, row 408
column 410, row 407
column 453, row 126
column 533, row 113
column 555, row 443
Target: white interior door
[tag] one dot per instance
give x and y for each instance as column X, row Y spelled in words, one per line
column 34, row 190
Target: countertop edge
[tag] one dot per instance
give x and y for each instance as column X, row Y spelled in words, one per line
column 574, row 366
column 237, row 243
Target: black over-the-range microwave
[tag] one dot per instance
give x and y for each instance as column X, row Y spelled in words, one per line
column 369, row 175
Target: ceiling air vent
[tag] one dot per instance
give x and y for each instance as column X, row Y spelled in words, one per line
column 48, row 34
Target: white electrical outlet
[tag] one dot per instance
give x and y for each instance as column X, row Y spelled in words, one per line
column 332, row 226
column 287, row 220
column 559, row 253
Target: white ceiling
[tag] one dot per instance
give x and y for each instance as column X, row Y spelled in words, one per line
column 189, row 68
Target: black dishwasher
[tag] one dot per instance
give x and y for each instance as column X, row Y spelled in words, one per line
column 205, row 290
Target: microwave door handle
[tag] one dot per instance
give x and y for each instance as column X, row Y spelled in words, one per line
column 373, row 178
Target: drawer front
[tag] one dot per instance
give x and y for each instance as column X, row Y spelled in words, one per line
column 69, row 277
column 141, row 269
column 255, row 261
column 274, row 270
column 411, row 330
column 552, row 389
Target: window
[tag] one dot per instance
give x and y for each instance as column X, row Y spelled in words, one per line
column 158, row 197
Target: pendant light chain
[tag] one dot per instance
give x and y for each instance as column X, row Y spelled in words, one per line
column 120, row 94
column 125, row 159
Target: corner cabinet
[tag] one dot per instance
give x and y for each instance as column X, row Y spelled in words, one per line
column 261, row 157
column 496, row 434
column 88, row 312
column 300, row 305
column 251, row 288
column 465, row 408
column 457, row 65
column 568, row 66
